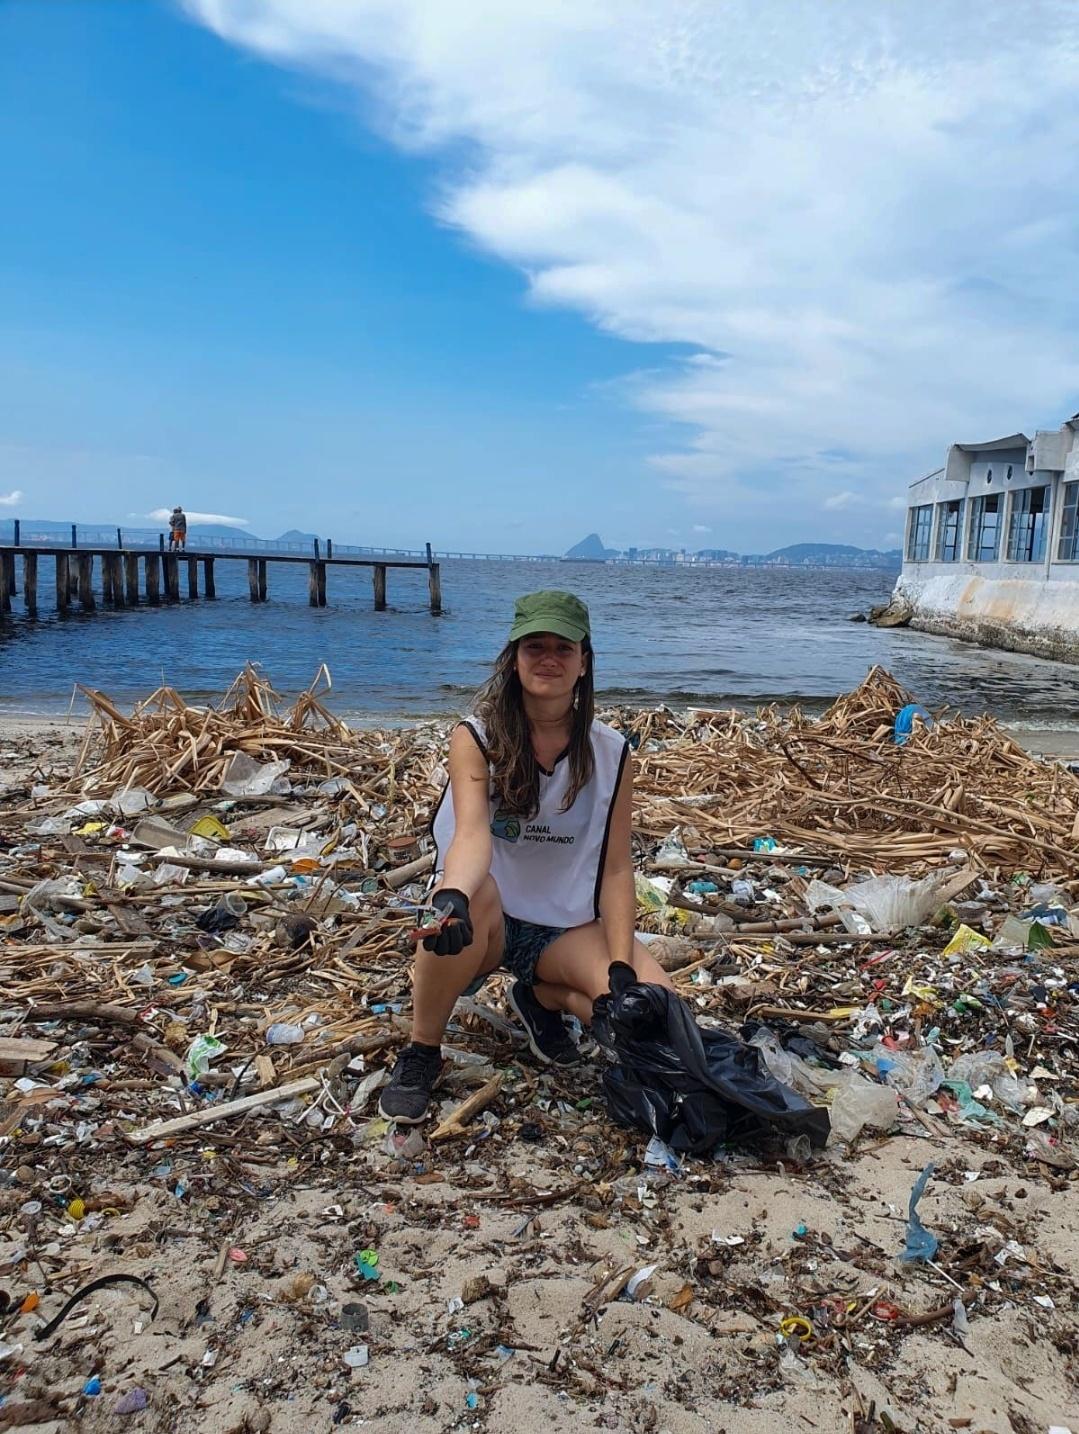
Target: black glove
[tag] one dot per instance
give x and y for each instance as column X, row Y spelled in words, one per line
column 456, row 932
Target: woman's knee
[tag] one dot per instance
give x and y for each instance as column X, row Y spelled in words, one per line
column 648, row 968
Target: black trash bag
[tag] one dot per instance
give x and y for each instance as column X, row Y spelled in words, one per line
column 216, row 919
column 692, row 1087
column 792, row 1039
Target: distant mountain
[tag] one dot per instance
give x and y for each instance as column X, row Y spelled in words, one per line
column 215, row 530
column 295, row 536
column 591, row 550
column 839, row 555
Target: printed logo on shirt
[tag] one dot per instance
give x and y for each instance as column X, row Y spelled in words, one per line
column 536, row 832
column 506, row 826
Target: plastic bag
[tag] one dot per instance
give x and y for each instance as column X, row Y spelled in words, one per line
column 200, row 1053
column 916, row 1073
column 980, row 1068
column 244, row 777
column 887, row 903
column 789, row 1068
column 859, row 1102
column 965, row 939
column 671, row 853
column 690, row 1087
column 130, row 801
column 921, row 1243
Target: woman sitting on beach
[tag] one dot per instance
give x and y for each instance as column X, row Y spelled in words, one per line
column 533, row 852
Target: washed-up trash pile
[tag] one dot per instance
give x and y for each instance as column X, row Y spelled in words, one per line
column 206, row 917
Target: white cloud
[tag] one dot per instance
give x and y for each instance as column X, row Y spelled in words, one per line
column 701, row 528
column 860, row 217
column 838, row 501
column 162, row 515
column 12, row 499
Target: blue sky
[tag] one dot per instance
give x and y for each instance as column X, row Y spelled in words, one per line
column 495, row 276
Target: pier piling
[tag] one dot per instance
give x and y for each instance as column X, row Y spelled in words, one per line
column 380, row 587
column 172, row 577
column 29, row 582
column 63, row 583
column 208, row 589
column 131, row 578
column 153, row 578
column 316, row 583
column 192, row 578
column 85, row 563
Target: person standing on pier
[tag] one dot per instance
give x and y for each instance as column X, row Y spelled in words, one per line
column 534, row 863
column 177, row 530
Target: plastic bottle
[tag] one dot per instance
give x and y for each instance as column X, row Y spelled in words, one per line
column 282, row 1034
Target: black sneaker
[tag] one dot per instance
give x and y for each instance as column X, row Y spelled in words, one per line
column 546, row 1031
column 407, row 1097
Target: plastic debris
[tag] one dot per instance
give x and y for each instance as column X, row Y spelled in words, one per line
column 202, row 1050
column 132, row 1402
column 966, row 940
column 921, row 1244
column 366, row 1263
column 858, row 1103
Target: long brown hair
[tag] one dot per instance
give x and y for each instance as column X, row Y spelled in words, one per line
column 514, row 769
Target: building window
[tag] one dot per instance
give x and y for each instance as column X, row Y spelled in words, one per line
column 1029, row 525
column 949, row 530
column 983, row 542
column 921, row 527
column 1068, row 546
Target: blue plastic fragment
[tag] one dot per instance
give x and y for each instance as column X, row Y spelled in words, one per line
column 472, row 1399
column 904, row 721
column 92, row 1387
column 921, row 1244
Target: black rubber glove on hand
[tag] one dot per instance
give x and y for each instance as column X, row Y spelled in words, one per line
column 456, row 932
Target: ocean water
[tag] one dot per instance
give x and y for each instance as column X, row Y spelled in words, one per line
column 710, row 636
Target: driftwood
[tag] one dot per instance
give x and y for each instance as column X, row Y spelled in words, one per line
column 159, row 1129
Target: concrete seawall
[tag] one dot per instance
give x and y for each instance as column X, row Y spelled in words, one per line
column 1017, row 614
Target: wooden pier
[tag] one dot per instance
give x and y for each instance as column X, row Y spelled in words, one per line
column 114, row 573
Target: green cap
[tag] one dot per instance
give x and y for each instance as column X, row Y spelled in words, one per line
column 550, row 611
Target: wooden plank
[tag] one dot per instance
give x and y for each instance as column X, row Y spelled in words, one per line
column 18, row 1048
column 159, row 1129
column 457, row 1120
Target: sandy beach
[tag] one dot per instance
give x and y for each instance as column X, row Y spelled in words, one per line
column 497, row 1290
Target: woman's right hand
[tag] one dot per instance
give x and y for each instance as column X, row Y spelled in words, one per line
column 455, row 932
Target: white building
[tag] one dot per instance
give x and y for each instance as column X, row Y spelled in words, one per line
column 992, row 544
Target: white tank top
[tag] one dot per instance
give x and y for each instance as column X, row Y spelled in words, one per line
column 549, row 868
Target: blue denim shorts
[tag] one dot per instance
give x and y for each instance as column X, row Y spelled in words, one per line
column 525, row 944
